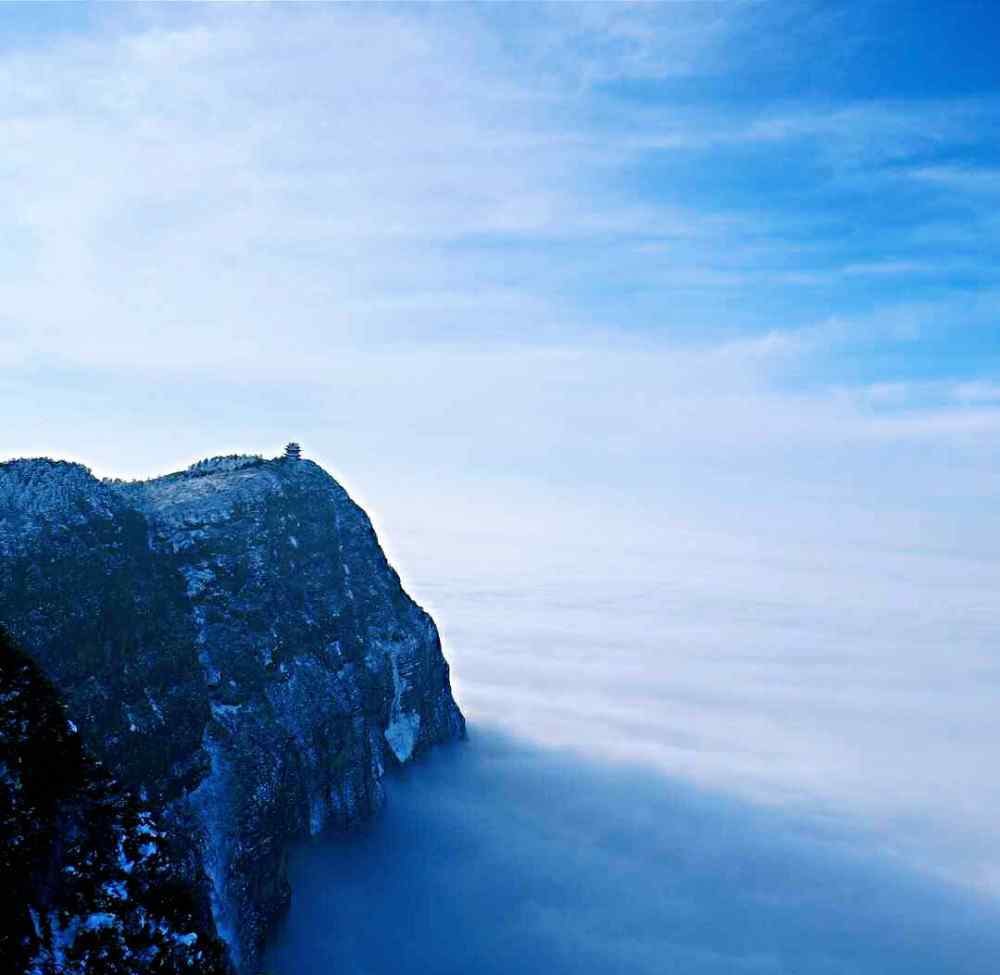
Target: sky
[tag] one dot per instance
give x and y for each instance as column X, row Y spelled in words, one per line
column 591, row 245
column 661, row 342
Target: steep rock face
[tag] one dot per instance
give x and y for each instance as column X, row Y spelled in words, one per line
column 96, row 888
column 232, row 641
column 82, row 591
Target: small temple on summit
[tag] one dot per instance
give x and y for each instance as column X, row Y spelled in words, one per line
column 293, row 451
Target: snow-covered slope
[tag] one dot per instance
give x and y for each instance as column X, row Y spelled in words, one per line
column 231, row 640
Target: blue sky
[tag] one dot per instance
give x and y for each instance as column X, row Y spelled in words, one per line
column 246, row 188
column 697, row 256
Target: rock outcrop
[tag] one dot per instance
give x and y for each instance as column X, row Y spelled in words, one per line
column 95, row 889
column 233, row 644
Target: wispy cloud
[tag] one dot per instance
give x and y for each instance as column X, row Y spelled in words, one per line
column 398, row 218
column 187, row 184
column 978, row 392
column 960, row 178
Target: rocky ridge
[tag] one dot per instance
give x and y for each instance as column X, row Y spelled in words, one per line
column 232, row 642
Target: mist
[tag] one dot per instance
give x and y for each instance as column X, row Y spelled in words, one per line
column 691, row 749
column 495, row 857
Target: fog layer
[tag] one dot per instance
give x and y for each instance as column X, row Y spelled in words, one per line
column 496, row 857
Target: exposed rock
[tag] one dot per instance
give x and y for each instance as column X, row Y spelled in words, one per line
column 232, row 641
column 96, row 889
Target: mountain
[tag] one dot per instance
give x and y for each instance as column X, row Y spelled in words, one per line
column 232, row 643
column 96, row 886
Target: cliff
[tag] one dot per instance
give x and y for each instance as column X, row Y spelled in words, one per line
column 95, row 886
column 232, row 642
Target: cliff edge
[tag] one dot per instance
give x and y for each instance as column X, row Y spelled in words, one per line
column 232, row 643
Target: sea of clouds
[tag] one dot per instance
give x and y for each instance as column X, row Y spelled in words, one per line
column 690, row 750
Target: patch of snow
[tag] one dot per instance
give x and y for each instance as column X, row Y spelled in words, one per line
column 99, row 920
column 404, row 726
column 154, row 707
column 124, row 863
column 224, row 709
column 116, row 890
column 212, row 803
column 197, row 578
column 402, row 734
column 145, row 827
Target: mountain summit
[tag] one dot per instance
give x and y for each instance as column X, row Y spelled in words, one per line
column 232, row 643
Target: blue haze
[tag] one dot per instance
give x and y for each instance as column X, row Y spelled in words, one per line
column 731, row 756
column 494, row 857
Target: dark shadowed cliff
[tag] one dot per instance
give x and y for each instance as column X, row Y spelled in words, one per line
column 97, row 891
column 233, row 644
